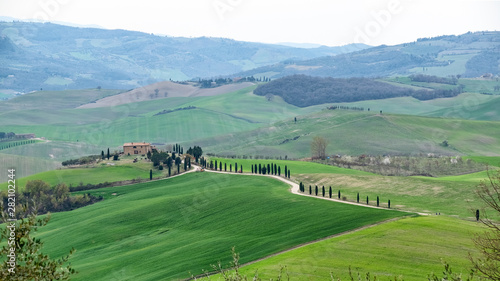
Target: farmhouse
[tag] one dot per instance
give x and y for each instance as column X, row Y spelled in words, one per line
column 136, row 148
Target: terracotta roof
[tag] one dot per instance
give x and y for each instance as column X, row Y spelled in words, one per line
column 135, row 143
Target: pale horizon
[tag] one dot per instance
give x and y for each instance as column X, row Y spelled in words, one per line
column 335, row 23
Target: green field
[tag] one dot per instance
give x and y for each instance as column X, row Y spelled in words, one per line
column 245, row 124
column 163, row 230
column 491, row 161
column 295, row 167
column 93, row 174
column 411, row 248
column 447, row 195
column 356, row 133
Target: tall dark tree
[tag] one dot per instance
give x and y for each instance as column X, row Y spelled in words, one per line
column 264, row 170
column 169, row 162
column 279, row 171
column 149, row 154
column 269, row 171
column 389, row 203
column 216, row 166
column 378, row 202
column 178, row 162
column 235, row 167
column 185, row 164
column 316, row 190
column 323, row 191
column 339, row 194
column 102, row 154
column 108, row 155
column 357, row 198
column 260, row 169
column 252, row 169
column 367, row 202
column 225, row 167
column 150, row 174
column 330, row 192
column 230, row 167
column 288, row 173
column 275, row 169
column 220, row 166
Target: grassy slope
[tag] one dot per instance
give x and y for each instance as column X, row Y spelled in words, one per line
column 411, row 247
column 446, row 195
column 301, row 167
column 232, row 112
column 357, row 133
column 491, row 161
column 162, row 230
column 93, row 175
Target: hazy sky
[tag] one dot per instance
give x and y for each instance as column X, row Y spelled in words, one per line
column 326, row 22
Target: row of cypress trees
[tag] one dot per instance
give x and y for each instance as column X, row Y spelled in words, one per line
column 323, row 191
column 262, row 169
column 14, row 144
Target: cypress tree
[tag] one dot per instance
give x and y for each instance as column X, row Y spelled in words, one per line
column 189, row 163
column 275, row 168
column 310, row 190
column 272, row 169
column 220, row 166
column 323, row 191
column 330, row 192
column 260, row 169
column 264, row 170
column 102, row 154
column 235, row 167
column 288, row 173
column 357, row 198
column 252, row 169
column 241, row 169
column 279, row 171
column 169, row 170
column 150, row 174
column 378, row 201
column 185, row 165
column 230, row 167
column 225, row 167
column 269, row 171
column 216, row 166
column 339, row 194
column 389, row 203
column 316, row 190
column 108, row 154
column 367, row 200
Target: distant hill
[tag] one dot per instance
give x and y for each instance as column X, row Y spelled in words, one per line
column 56, row 57
column 467, row 55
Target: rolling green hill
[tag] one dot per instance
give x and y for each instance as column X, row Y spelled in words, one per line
column 243, row 123
column 163, row 230
column 355, row 133
column 410, row 248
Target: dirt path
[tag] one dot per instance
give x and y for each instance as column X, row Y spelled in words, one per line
column 294, row 188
